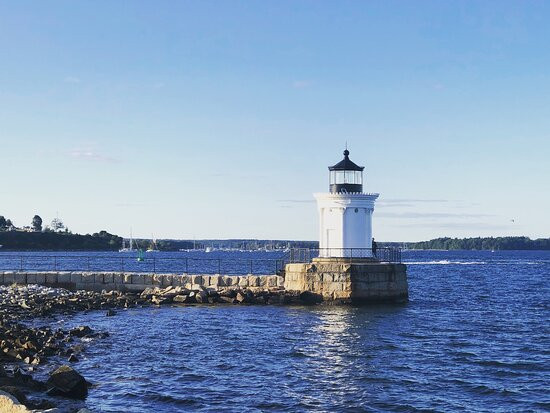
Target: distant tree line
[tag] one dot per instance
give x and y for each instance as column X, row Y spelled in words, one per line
column 55, row 237
column 490, row 243
column 59, row 241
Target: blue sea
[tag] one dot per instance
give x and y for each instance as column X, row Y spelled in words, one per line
column 474, row 336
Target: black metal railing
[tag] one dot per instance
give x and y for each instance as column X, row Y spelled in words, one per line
column 189, row 265
column 386, row 254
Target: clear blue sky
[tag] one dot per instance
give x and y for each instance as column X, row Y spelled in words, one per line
column 218, row 119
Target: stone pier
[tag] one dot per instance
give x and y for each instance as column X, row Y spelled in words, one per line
column 340, row 281
column 333, row 281
column 137, row 282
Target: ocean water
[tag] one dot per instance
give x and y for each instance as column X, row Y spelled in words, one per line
column 475, row 336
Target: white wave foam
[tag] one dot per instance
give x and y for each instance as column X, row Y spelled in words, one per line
column 445, row 262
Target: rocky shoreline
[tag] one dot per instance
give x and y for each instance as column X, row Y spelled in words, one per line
column 25, row 348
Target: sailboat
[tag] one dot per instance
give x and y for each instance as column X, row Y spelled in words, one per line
column 153, row 247
column 130, row 247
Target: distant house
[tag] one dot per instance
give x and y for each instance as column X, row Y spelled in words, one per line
column 21, row 229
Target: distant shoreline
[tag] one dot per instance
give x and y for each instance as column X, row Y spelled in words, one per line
column 20, row 241
column 58, row 241
column 482, row 244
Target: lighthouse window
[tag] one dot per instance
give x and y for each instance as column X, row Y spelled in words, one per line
column 356, row 210
column 346, row 177
column 350, row 177
column 339, row 177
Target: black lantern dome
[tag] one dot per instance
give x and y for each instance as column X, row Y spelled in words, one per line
column 346, row 176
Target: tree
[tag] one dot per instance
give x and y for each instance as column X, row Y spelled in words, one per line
column 57, row 225
column 2, row 223
column 37, row 223
column 9, row 224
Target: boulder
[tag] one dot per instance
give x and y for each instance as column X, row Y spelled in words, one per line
column 67, row 382
column 212, row 292
column 9, row 404
column 166, row 292
column 201, row 297
column 229, row 292
column 308, row 297
column 80, row 331
column 184, row 298
column 147, row 293
column 158, row 300
column 15, row 392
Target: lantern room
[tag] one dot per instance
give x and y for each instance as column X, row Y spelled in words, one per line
column 346, row 176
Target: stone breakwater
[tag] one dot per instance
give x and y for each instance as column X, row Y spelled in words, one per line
column 137, row 282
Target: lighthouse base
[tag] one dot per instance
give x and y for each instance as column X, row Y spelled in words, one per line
column 333, row 281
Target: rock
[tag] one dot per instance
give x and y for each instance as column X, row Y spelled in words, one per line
column 224, row 299
column 240, row 297
column 249, row 296
column 201, row 297
column 80, row 331
column 212, row 293
column 171, row 292
column 25, row 380
column 160, row 300
column 181, row 299
column 72, row 358
column 15, row 392
column 110, row 313
column 147, row 293
column 229, row 292
column 308, row 297
column 261, row 297
column 66, row 381
column 9, row 404
column 275, row 299
column 43, row 406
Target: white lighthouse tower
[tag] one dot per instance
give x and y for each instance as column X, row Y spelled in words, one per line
column 345, row 213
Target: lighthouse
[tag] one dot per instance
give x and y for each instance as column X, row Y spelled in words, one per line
column 346, row 270
column 345, row 213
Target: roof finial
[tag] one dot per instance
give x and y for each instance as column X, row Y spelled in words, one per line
column 346, row 152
